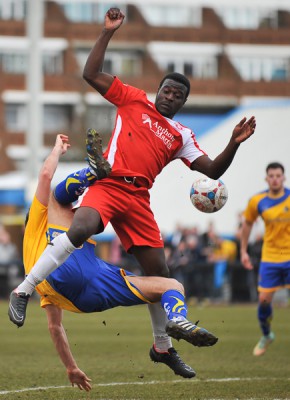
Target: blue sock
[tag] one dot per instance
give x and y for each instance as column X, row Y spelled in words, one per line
column 265, row 317
column 73, row 186
column 174, row 305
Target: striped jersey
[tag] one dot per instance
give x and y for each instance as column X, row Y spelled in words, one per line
column 275, row 212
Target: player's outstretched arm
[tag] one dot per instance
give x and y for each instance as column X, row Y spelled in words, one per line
column 60, row 340
column 93, row 68
column 216, row 168
column 49, row 167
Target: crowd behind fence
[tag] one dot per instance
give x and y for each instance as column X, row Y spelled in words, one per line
column 11, row 266
column 207, row 264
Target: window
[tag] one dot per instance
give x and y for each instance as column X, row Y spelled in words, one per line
column 13, row 63
column 188, row 69
column 55, row 117
column 199, row 68
column 17, row 63
column 86, row 11
column 102, row 116
column 124, row 63
column 279, row 74
column 257, row 69
column 196, row 60
column 247, row 17
column 121, row 63
column 13, row 9
column 165, row 15
column 16, row 117
column 52, row 63
column 170, row 67
column 108, row 66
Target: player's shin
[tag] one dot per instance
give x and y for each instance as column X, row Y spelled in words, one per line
column 265, row 317
column 53, row 256
column 159, row 320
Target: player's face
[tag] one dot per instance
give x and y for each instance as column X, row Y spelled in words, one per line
column 170, row 98
column 275, row 179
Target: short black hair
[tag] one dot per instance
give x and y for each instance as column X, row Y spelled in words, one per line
column 275, row 165
column 175, row 76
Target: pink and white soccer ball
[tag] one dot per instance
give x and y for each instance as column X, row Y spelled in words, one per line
column 208, row 195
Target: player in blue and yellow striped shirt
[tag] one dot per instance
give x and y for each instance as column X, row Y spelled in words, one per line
column 273, row 206
column 84, row 283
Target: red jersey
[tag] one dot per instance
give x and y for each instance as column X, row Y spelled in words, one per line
column 143, row 142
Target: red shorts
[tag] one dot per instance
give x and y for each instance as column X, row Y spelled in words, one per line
column 127, row 208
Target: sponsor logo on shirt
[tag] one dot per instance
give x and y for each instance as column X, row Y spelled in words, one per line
column 159, row 131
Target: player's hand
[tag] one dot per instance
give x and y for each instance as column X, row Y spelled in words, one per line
column 246, row 261
column 79, row 378
column 114, row 19
column 62, row 143
column 244, row 129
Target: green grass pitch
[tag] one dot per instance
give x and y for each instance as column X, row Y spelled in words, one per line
column 112, row 348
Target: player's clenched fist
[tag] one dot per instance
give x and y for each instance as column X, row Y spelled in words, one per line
column 114, row 18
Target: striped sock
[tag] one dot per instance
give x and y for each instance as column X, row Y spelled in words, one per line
column 174, row 305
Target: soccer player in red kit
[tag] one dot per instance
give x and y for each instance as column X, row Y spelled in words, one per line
column 145, row 139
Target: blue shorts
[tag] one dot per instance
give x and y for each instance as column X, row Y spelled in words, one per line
column 93, row 285
column 274, row 276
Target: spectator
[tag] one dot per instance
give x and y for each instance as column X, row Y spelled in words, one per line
column 9, row 261
column 8, row 250
column 208, row 241
column 225, row 252
column 178, row 260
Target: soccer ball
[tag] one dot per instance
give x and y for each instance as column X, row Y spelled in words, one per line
column 208, row 195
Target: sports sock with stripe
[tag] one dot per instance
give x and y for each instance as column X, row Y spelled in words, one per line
column 73, row 186
column 174, row 305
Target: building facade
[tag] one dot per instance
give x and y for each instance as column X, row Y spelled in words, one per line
column 230, row 52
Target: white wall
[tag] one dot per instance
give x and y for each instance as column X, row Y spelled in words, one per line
column 271, row 142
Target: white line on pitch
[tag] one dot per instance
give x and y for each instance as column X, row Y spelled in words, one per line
column 144, row 383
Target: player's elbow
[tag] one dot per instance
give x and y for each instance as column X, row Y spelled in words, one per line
column 214, row 175
column 46, row 175
column 93, row 81
column 212, row 172
column 86, row 76
column 91, row 77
